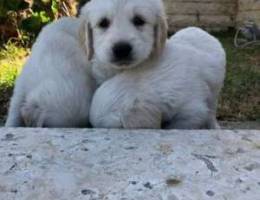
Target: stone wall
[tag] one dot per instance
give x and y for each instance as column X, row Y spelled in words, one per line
column 248, row 10
column 211, row 14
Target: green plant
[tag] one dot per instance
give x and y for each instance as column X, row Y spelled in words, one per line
column 23, row 19
column 12, row 59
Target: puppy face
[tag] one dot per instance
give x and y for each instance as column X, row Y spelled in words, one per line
column 124, row 33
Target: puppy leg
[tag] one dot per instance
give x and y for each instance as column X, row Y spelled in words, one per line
column 137, row 115
column 57, row 104
column 111, row 120
column 142, row 115
column 212, row 123
column 192, row 116
column 14, row 118
column 32, row 114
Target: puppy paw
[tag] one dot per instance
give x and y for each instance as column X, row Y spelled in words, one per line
column 141, row 115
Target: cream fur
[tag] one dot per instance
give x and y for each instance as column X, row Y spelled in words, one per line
column 171, row 83
column 147, row 41
column 55, row 87
column 177, row 88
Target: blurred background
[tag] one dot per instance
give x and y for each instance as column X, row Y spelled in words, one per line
column 234, row 22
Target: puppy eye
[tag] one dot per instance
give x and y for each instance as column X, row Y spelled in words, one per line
column 138, row 21
column 104, row 23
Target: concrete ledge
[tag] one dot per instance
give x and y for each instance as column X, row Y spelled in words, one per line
column 67, row 164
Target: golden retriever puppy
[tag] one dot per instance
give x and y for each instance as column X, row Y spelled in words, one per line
column 147, row 81
column 55, row 87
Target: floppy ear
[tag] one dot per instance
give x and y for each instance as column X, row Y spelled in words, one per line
column 86, row 38
column 160, row 34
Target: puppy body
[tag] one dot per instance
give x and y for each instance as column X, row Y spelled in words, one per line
column 55, row 87
column 177, row 90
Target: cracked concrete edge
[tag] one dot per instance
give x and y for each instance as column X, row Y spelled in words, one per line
column 226, row 125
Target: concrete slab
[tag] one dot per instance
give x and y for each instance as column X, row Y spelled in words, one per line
column 77, row 164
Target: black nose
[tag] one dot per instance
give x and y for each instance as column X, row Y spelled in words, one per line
column 122, row 51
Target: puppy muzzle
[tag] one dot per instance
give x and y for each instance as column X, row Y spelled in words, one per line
column 122, row 53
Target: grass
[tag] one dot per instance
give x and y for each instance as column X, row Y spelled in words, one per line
column 240, row 98
column 12, row 59
column 239, row 101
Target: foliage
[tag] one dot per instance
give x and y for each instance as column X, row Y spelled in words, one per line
column 23, row 19
column 12, row 59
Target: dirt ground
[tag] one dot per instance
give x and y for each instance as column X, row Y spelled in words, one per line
column 241, row 125
column 4, row 103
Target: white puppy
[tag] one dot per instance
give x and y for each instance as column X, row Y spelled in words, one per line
column 122, row 34
column 146, row 84
column 55, row 87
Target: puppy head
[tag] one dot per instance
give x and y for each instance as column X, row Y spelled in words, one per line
column 123, row 33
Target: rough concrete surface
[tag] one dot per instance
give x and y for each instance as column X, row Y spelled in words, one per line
column 81, row 164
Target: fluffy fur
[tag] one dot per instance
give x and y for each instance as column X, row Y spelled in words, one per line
column 146, row 41
column 164, row 86
column 55, row 87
